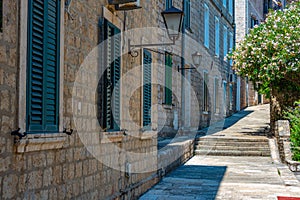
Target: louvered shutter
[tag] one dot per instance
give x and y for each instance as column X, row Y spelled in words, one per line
column 168, row 77
column 111, row 108
column 43, row 66
column 116, row 78
column 147, row 88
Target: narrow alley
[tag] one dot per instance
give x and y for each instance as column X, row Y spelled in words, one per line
column 223, row 176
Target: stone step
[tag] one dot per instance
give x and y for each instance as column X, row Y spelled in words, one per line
column 231, row 139
column 228, row 143
column 232, row 153
column 239, row 148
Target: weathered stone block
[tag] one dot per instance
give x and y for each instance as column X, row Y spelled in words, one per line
column 10, row 183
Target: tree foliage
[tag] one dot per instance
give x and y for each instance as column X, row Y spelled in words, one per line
column 270, row 54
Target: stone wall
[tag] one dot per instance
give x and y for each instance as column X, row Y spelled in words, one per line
column 71, row 171
column 9, row 165
column 282, row 134
column 92, row 163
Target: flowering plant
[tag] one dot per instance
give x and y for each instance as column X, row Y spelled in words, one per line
column 270, row 53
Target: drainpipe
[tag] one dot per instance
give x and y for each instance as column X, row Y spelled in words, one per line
column 182, row 71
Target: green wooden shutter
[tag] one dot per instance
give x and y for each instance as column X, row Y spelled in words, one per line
column 147, row 88
column 43, row 66
column 116, row 79
column 51, row 90
column 111, row 108
column 168, row 77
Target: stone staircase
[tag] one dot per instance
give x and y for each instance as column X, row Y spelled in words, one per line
column 230, row 146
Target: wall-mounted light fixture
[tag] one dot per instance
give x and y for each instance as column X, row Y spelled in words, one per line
column 173, row 22
column 197, row 58
column 125, row 4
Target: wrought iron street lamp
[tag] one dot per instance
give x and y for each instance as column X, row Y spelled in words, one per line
column 173, row 22
column 197, row 58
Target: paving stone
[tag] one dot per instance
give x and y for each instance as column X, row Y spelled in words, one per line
column 230, row 177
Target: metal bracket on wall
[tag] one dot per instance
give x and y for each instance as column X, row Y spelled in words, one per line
column 17, row 135
column 67, row 8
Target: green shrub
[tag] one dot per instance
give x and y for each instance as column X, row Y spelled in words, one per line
column 293, row 115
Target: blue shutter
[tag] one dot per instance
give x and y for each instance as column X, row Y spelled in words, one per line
column 111, row 108
column 51, row 85
column 206, row 25
column 147, row 88
column 43, row 66
column 116, row 78
column 187, row 14
column 168, row 4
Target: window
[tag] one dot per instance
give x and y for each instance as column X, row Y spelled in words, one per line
column 205, row 91
column 187, row 14
column 225, row 46
column 225, row 3
column 230, row 97
column 217, row 36
column 1, row 15
column 168, row 79
column 109, row 94
column 230, row 7
column 147, row 89
column 252, row 23
column 43, row 71
column 168, row 4
column 206, row 26
column 230, row 45
column 216, row 95
column 224, row 97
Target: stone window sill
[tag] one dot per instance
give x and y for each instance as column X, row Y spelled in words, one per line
column 119, row 136
column 167, row 106
column 112, row 137
column 40, row 142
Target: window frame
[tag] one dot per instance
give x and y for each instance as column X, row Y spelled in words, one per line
column 115, row 115
column 41, row 91
column 1, row 16
column 224, row 97
column 230, row 45
column 225, row 3
column 187, row 14
column 23, row 66
column 225, row 41
column 216, row 96
column 230, row 7
column 146, row 127
column 168, row 4
column 206, row 26
column 217, row 36
column 38, row 141
column 205, row 92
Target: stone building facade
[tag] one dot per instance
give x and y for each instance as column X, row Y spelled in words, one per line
column 80, row 115
column 209, row 92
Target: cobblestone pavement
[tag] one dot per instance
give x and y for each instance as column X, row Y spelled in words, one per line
column 225, row 177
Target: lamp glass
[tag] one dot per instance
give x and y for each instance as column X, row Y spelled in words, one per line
column 197, row 57
column 173, row 21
